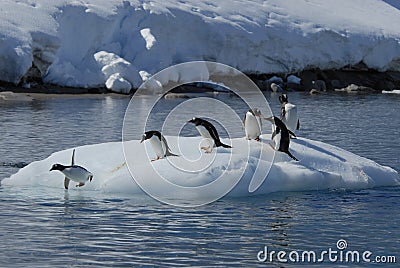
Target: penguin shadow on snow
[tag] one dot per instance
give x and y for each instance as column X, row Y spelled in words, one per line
column 319, row 149
column 73, row 172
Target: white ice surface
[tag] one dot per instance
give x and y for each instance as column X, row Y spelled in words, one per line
column 395, row 91
column 321, row 167
column 62, row 37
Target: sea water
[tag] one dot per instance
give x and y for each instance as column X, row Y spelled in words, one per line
column 53, row 228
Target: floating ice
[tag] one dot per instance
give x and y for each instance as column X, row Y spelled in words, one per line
column 321, row 167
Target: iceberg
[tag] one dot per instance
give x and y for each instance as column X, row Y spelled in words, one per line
column 320, row 167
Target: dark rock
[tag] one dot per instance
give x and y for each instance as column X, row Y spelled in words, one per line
column 295, row 87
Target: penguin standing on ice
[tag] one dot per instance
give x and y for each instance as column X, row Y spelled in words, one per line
column 73, row 172
column 252, row 124
column 209, row 132
column 158, row 143
column 281, row 136
column 289, row 113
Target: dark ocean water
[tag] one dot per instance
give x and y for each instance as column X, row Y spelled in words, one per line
column 51, row 228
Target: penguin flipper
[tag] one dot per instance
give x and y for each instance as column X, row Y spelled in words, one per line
column 169, row 153
column 66, row 182
column 298, row 124
column 283, row 112
column 291, row 133
column 273, row 135
column 292, row 156
column 223, row 145
column 73, row 158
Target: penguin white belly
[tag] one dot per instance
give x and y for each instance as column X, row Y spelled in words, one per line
column 158, row 147
column 277, row 141
column 290, row 119
column 77, row 174
column 252, row 126
column 204, row 132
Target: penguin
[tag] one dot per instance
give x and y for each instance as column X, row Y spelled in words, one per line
column 73, row 172
column 281, row 136
column 208, row 131
column 159, row 144
column 252, row 124
column 289, row 113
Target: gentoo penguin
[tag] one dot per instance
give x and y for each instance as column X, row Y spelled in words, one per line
column 159, row 144
column 208, row 131
column 252, row 124
column 281, row 136
column 289, row 113
column 73, row 172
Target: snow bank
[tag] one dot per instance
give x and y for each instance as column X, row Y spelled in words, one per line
column 321, row 167
column 62, row 38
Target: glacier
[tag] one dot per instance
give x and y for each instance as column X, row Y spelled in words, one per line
column 119, row 44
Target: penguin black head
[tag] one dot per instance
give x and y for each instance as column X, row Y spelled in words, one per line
column 195, row 120
column 148, row 134
column 283, row 98
column 57, row 167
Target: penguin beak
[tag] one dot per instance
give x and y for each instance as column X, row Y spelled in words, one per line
column 143, row 138
column 51, row 169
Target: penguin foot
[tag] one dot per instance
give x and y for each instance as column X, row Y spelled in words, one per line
column 207, row 149
column 155, row 159
column 247, row 138
column 80, row 184
column 258, row 139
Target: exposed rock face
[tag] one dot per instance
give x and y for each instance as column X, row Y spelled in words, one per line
column 348, row 79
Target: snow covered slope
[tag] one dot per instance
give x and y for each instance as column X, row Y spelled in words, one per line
column 119, row 43
column 321, row 167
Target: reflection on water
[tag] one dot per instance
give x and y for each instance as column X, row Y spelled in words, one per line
column 51, row 227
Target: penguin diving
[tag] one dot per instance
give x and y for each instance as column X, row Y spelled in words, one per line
column 73, row 172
